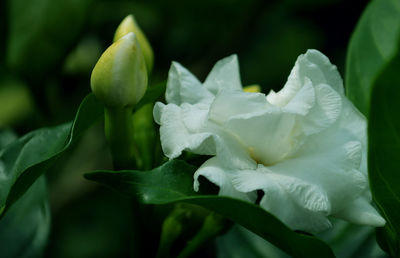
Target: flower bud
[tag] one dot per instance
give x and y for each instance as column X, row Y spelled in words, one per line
column 129, row 25
column 119, row 78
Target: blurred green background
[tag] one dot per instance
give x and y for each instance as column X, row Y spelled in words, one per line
column 48, row 49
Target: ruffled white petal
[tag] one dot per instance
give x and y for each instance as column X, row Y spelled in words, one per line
column 233, row 103
column 325, row 112
column 355, row 123
column 281, row 204
column 360, row 211
column 301, row 103
column 230, row 151
column 317, row 67
column 321, row 107
column 304, row 146
column 183, row 87
column 224, row 76
column 272, row 137
column 215, row 171
column 176, row 136
column 325, row 158
column 300, row 205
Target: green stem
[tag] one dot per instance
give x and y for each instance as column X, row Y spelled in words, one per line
column 214, row 225
column 120, row 135
column 171, row 229
column 145, row 135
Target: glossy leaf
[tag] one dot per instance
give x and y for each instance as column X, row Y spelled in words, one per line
column 373, row 45
column 173, row 182
column 384, row 150
column 373, row 85
column 24, row 230
column 25, row 159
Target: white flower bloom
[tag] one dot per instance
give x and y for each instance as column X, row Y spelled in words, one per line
column 304, row 146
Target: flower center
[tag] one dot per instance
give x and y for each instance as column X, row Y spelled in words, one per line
column 266, row 161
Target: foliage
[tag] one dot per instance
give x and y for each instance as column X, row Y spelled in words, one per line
column 372, row 65
column 172, row 182
column 25, row 159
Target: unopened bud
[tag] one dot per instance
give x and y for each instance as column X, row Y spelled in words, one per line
column 119, row 78
column 129, row 25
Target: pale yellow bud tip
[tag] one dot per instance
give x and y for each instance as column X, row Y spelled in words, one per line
column 119, row 78
column 129, row 24
column 252, row 88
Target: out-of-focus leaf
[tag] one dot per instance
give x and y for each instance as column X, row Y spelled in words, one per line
column 373, row 84
column 352, row 241
column 15, row 102
column 84, row 57
column 7, row 136
column 239, row 242
column 373, row 45
column 152, row 94
column 25, row 228
column 25, row 159
column 145, row 133
column 384, row 149
column 41, row 32
column 145, row 136
column 173, row 182
column 97, row 224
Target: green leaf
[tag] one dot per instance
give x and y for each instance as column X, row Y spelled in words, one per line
column 152, row 94
column 7, row 136
column 24, row 230
column 373, row 45
column 384, row 150
column 173, row 182
column 41, row 32
column 16, row 102
column 239, row 242
column 25, row 159
column 372, row 81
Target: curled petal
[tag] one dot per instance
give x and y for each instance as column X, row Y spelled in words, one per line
column 185, row 128
column 315, row 66
column 280, row 204
column 326, row 110
column 320, row 107
column 304, row 147
column 215, row 171
column 176, row 136
column 360, row 211
column 328, row 160
column 301, row 103
column 230, row 152
column 224, row 76
column 184, row 87
column 272, row 137
column 300, row 205
column 233, row 103
column 355, row 123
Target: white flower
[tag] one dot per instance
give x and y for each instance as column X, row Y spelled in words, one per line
column 304, row 146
